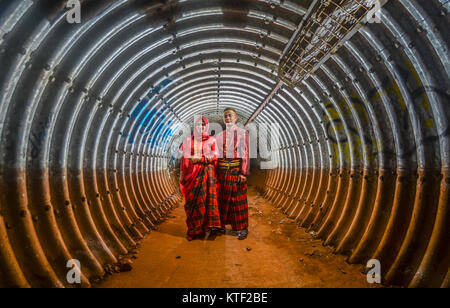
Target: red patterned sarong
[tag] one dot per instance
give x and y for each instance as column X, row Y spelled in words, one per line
column 233, row 204
column 197, row 180
column 202, row 211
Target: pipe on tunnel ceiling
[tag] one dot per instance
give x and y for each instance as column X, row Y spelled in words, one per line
column 89, row 113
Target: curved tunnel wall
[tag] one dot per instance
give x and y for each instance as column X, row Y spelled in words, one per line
column 89, row 113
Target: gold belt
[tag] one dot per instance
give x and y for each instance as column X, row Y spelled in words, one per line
column 228, row 164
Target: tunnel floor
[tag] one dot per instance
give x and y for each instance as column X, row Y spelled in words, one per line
column 276, row 254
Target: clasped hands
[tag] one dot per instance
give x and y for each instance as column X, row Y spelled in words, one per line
column 198, row 160
column 195, row 160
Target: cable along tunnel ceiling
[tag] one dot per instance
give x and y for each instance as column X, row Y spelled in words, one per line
column 90, row 114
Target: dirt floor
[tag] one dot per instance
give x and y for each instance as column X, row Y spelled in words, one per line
column 276, row 254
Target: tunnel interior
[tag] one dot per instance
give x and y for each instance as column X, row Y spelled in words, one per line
column 92, row 113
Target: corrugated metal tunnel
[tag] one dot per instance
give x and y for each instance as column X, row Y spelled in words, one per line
column 90, row 114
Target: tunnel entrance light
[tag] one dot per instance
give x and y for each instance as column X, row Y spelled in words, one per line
column 325, row 26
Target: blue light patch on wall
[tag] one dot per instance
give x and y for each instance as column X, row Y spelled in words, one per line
column 153, row 120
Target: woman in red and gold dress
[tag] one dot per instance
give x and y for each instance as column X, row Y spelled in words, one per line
column 198, row 183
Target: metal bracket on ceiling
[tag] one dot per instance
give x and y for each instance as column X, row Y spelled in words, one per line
column 323, row 30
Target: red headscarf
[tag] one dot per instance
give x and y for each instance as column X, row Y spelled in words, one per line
column 205, row 135
column 188, row 169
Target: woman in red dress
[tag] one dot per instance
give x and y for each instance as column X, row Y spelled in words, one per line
column 198, row 182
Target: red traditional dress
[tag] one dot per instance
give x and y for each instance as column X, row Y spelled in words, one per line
column 197, row 183
column 234, row 160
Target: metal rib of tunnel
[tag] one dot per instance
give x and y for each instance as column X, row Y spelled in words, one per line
column 90, row 113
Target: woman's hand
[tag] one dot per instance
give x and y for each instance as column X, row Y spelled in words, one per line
column 195, row 160
column 242, row 179
column 209, row 159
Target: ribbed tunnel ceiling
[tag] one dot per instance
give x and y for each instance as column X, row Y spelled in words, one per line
column 90, row 114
